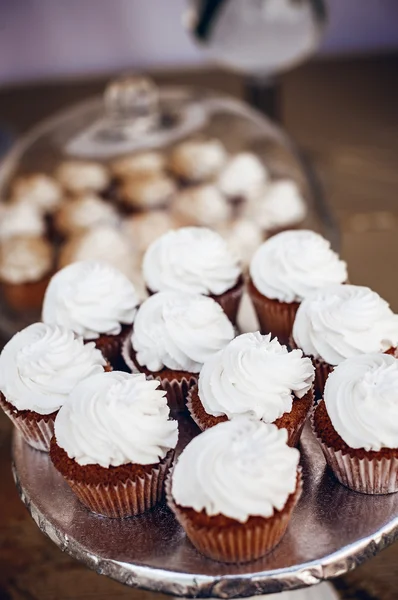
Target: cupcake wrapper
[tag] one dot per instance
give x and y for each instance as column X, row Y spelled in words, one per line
column 293, row 432
column 235, row 545
column 322, row 370
column 230, row 302
column 125, row 499
column 176, row 390
column 37, row 434
column 364, row 475
column 274, row 317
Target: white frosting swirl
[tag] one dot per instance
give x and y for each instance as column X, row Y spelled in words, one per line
column 240, row 468
column 114, row 419
column 21, row 218
column 254, row 376
column 361, row 401
column 91, row 298
column 341, row 321
column 293, row 264
column 243, row 175
column 190, row 259
column 280, row 205
column 243, row 237
column 198, row 160
column 179, row 331
column 42, row 364
column 81, row 176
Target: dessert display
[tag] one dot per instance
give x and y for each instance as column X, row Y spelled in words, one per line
column 232, row 513
column 284, row 271
column 26, row 265
column 114, row 443
column 94, row 300
column 357, row 423
column 257, row 377
column 39, row 367
column 342, row 321
column 195, row 260
column 174, row 333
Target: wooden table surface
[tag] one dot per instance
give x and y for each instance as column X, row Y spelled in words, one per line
column 344, row 115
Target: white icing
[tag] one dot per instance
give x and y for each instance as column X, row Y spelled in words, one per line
column 91, row 298
column 114, row 419
column 280, row 205
column 149, row 191
column 25, row 259
column 243, row 175
column 102, row 243
column 21, row 218
column 238, row 469
column 362, row 402
column 39, row 190
column 243, row 237
column 198, row 160
column 190, row 259
column 254, row 376
column 85, row 212
column 133, row 165
column 82, row 176
column 342, row 321
column 293, row 264
column 144, row 228
column 42, row 364
column 179, row 331
column 202, row 205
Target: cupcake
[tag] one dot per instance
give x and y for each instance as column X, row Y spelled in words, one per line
column 114, row 443
column 138, row 165
column 285, row 270
column 84, row 212
column 39, row 190
column 280, row 205
column 95, row 301
column 174, row 334
column 196, row 161
column 144, row 228
column 242, row 177
column 21, row 218
column 201, row 205
column 195, row 260
column 254, row 376
column 101, row 243
column 26, row 265
column 357, row 423
column 39, row 367
column 342, row 321
column 147, row 192
column 80, row 176
column 243, row 237
column 234, row 488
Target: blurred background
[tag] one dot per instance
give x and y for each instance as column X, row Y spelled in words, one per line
column 42, row 39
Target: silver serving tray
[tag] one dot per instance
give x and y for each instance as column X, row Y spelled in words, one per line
column 332, row 531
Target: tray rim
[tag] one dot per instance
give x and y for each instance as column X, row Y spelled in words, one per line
column 192, row 585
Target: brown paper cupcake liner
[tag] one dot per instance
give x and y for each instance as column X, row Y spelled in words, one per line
column 25, row 296
column 322, row 370
column 176, row 389
column 294, row 430
column 36, row 432
column 127, row 498
column 239, row 544
column 274, row 317
column 364, row 475
column 230, row 300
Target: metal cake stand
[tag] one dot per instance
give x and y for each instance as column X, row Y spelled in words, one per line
column 331, row 532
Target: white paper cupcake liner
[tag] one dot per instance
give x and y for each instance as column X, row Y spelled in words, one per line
column 37, row 434
column 364, row 475
column 125, row 499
